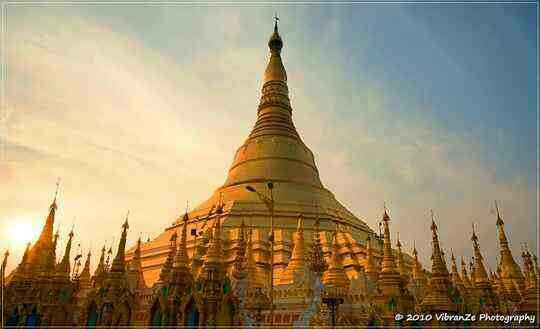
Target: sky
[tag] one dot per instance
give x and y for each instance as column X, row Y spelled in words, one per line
column 141, row 108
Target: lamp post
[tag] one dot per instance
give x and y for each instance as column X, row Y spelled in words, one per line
column 269, row 202
column 333, row 304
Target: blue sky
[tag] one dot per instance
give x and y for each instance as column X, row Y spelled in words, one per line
column 422, row 105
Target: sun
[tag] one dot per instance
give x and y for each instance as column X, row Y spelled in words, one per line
column 22, row 231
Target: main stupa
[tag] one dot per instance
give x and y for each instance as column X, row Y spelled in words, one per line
column 273, row 152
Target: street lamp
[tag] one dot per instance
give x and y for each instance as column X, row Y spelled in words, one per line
column 269, row 202
column 333, row 304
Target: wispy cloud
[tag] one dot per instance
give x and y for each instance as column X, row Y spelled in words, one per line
column 131, row 126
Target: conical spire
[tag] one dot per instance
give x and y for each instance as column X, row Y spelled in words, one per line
column 464, row 276
column 135, row 268
column 480, row 274
column 239, row 270
column 55, row 244
column 119, row 262
column 181, row 259
column 317, row 262
column 85, row 274
column 164, row 274
column 438, row 265
column 388, row 261
column 438, row 297
column 298, row 257
column 274, row 126
column 214, row 253
column 400, row 261
column 334, row 276
column 254, row 276
column 417, row 273
column 371, row 268
column 4, row 265
column 100, row 269
column 511, row 274
column 64, row 268
column 456, row 279
column 41, row 256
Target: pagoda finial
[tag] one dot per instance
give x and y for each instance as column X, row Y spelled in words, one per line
column 125, row 226
column 499, row 219
column 64, row 268
column 4, row 263
column 480, row 274
column 276, row 19
column 53, row 204
column 119, row 263
column 180, row 268
column 388, row 260
column 85, row 274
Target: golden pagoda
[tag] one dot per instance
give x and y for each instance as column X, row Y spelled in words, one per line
column 214, row 277
column 273, row 151
column 510, row 273
column 483, row 292
column 438, row 297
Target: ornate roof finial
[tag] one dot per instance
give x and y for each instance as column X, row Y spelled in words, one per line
column 276, row 19
column 385, row 215
column 474, row 238
column 125, row 226
column 499, row 219
column 4, row 263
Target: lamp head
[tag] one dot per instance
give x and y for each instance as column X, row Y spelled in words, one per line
column 270, row 185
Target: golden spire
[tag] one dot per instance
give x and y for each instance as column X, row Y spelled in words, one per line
column 298, row 258
column 388, row 261
column 100, row 269
column 253, row 274
column 214, row 253
column 400, row 261
column 239, row 270
column 317, row 262
column 212, row 268
column 41, row 256
column 334, row 276
column 456, row 279
column 438, row 295
column 510, row 272
column 275, row 70
column 181, row 259
column 164, row 274
column 135, row 267
column 4, row 265
column 417, row 273
column 64, row 268
column 181, row 273
column 464, row 276
column 85, row 274
column 371, row 268
column 480, row 274
column 274, row 111
column 119, row 262
column 438, row 265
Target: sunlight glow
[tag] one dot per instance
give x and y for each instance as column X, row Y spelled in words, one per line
column 22, row 232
